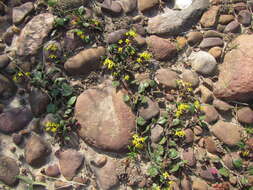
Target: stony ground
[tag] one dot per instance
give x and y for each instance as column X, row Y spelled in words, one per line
column 126, row 94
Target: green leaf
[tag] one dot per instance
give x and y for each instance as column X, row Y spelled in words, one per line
column 25, row 179
column 67, row 90
column 126, row 98
column 173, row 153
column 175, row 168
column 162, row 120
column 224, row 172
column 51, row 3
column 244, row 181
column 51, row 108
column 153, row 171
column 71, row 101
column 141, row 121
column 163, row 141
column 80, row 10
column 144, row 100
column 176, row 122
column 250, row 170
column 115, row 83
column 238, row 163
column 152, row 83
column 160, row 150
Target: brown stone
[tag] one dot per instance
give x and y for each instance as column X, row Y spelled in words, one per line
column 245, row 115
column 144, row 5
column 209, row 18
column 167, row 78
column 225, row 19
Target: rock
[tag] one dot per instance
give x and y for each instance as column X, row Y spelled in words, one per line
column 235, row 78
column 186, row 184
column 112, row 7
column 115, row 36
column 144, row 5
column 210, row 145
column 225, row 19
column 189, row 136
column 232, row 27
column 33, row 34
column 4, row 60
column 161, row 48
column 140, row 40
column 8, row 170
column 7, row 87
column 198, row 130
column 38, row 101
column 211, row 115
column 220, row 130
column 156, row 133
column 191, row 77
column 221, row 105
column 213, row 34
column 174, row 22
column 71, row 40
column 128, row 5
column 52, row 171
column 99, row 161
column 85, row 61
column 8, row 36
column 221, row 27
column 244, row 17
column 245, row 115
column 209, row 18
column 216, row 52
column 211, row 42
column 149, row 109
column 139, row 29
column 19, row 13
column 17, row 138
column 188, row 155
column 167, row 78
column 239, row 6
column 199, row 184
column 182, row 4
column 107, row 176
column 228, row 159
column 70, row 4
column 207, row 174
column 249, row 143
column 14, row 119
column 194, row 38
column 36, row 150
column 70, row 161
column 203, row 63
column 109, row 123
column 61, row 185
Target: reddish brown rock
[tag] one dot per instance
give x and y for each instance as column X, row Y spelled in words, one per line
column 228, row 133
column 211, row 115
column 144, row 5
column 245, row 115
column 210, row 145
column 167, row 78
column 106, row 121
column 225, row 19
column 236, row 79
column 209, row 18
column 8, row 170
column 161, row 48
column 52, row 171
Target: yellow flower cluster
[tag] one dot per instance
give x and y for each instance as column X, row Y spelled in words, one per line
column 145, row 55
column 131, row 33
column 126, row 77
column 52, row 127
column 180, row 133
column 20, row 75
column 80, row 34
column 52, row 56
column 95, row 22
column 52, row 47
column 197, row 105
column 120, row 50
column 166, row 175
column 182, row 107
column 109, row 63
column 245, row 153
column 138, row 141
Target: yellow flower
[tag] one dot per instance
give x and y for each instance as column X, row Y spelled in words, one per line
column 145, row 55
column 20, row 74
column 126, row 77
column 82, row 36
column 52, row 56
column 120, row 41
column 170, row 184
column 128, row 41
column 27, row 74
column 109, row 63
column 180, row 133
column 138, row 141
column 245, row 153
column 166, row 175
column 120, row 50
column 197, row 104
column 52, row 47
column 139, row 60
column 52, row 127
column 182, row 107
column 131, row 33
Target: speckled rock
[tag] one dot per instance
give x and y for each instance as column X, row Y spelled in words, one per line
column 19, row 13
column 167, row 78
column 8, row 170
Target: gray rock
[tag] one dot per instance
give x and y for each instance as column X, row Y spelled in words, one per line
column 149, row 109
column 174, row 22
column 8, row 170
column 14, row 119
column 36, row 150
column 19, row 13
column 245, row 17
column 167, row 78
column 191, row 77
column 211, row 42
column 70, row 4
column 110, row 6
column 232, row 27
column 4, row 61
column 115, row 36
column 33, row 34
column 221, row 105
column 156, row 133
column 203, row 62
